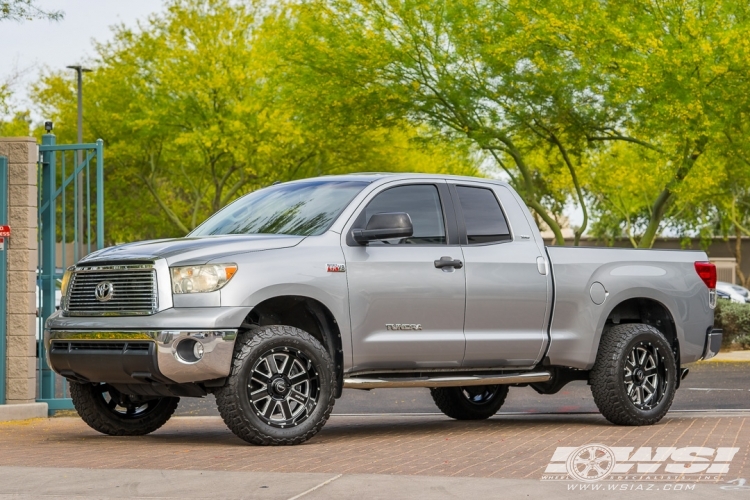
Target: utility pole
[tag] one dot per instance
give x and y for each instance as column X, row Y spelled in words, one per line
column 81, row 249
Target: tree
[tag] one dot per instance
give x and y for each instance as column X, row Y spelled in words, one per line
column 454, row 66
column 196, row 108
column 679, row 68
column 26, row 10
column 561, row 82
column 13, row 122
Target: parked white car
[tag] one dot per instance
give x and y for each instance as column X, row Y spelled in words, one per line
column 735, row 293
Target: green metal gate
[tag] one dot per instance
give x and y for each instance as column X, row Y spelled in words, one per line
column 71, row 214
column 3, row 273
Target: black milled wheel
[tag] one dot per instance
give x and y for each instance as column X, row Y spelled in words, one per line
column 107, row 410
column 634, row 377
column 470, row 403
column 281, row 387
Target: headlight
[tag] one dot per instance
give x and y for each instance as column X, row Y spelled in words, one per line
column 201, row 279
column 66, row 281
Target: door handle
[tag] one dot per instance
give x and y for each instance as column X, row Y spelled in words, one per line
column 541, row 266
column 448, row 262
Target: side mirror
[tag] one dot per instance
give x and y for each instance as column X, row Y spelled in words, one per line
column 384, row 227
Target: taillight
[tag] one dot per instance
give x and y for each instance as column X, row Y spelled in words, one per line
column 707, row 272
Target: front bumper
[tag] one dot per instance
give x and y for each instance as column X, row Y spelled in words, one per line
column 144, row 356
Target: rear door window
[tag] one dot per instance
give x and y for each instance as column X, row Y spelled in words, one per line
column 484, row 219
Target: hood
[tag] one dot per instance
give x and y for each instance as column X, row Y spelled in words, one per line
column 190, row 251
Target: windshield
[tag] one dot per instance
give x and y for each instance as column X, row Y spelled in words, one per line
column 300, row 209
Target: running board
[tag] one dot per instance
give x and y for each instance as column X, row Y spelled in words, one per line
column 457, row 381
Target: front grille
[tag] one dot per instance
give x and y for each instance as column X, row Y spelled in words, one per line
column 133, row 292
column 58, row 346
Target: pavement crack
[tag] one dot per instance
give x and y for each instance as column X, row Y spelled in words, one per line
column 295, row 497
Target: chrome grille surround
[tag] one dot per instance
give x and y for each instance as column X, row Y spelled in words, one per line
column 135, row 291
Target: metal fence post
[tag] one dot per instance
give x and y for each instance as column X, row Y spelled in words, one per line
column 99, row 194
column 48, row 232
column 3, row 277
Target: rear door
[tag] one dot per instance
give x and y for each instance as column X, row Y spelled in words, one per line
column 507, row 286
column 405, row 312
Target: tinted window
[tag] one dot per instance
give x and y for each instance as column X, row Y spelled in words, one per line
column 422, row 203
column 485, row 222
column 297, row 208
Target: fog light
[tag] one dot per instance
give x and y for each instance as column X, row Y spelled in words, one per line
column 189, row 350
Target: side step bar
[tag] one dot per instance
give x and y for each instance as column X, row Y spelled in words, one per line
column 456, row 381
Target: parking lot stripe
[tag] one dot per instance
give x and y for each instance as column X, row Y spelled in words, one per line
column 714, row 389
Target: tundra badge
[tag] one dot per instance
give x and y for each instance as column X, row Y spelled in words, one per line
column 402, row 326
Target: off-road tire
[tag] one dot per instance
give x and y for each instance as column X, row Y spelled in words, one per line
column 608, row 377
column 454, row 403
column 90, row 404
column 234, row 402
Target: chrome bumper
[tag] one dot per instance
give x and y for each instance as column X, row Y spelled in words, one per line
column 218, row 348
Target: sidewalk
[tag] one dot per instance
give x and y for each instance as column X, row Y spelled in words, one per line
column 21, row 483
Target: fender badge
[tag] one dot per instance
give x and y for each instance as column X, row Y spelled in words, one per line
column 335, row 268
column 402, row 326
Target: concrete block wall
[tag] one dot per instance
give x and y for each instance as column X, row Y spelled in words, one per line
column 22, row 153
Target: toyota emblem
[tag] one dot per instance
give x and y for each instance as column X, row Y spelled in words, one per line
column 104, row 291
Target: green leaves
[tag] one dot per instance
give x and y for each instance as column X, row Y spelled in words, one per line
column 26, row 10
column 634, row 111
column 208, row 101
column 563, row 96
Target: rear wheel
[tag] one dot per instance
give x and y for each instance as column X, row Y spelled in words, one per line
column 470, row 403
column 634, row 378
column 107, row 410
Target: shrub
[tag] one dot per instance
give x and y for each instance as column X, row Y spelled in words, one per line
column 743, row 341
column 734, row 319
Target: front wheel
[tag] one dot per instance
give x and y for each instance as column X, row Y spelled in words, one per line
column 107, row 410
column 470, row 403
column 281, row 387
column 634, row 377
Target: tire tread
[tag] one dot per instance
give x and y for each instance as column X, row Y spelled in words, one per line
column 453, row 404
column 91, row 412
column 229, row 407
column 604, row 378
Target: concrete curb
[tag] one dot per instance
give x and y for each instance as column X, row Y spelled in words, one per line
column 731, row 357
column 22, row 411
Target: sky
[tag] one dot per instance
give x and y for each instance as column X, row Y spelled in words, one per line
column 29, row 47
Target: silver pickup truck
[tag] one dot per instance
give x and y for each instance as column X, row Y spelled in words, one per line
column 296, row 291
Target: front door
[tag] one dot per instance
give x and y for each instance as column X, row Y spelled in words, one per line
column 507, row 291
column 405, row 311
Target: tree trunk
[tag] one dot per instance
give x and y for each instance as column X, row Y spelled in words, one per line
column 657, row 214
column 744, row 281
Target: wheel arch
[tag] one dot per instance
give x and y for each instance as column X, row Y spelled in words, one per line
column 648, row 311
column 307, row 314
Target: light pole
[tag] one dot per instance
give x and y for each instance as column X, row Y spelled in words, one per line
column 80, row 70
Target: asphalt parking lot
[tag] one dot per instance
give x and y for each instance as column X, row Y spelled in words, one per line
column 393, row 444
